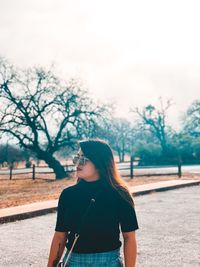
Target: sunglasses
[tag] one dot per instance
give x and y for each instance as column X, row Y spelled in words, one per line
column 79, row 160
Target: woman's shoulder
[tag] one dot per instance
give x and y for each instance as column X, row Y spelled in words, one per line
column 123, row 196
column 70, row 189
column 114, row 192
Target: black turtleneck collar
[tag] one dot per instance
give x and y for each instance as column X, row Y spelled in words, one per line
column 91, row 183
column 94, row 185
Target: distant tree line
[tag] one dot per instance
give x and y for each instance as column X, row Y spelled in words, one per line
column 46, row 116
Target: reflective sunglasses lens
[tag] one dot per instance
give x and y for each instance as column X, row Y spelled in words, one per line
column 75, row 160
column 82, row 161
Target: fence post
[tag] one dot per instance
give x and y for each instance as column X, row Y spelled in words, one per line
column 179, row 169
column 131, row 167
column 33, row 177
column 11, row 167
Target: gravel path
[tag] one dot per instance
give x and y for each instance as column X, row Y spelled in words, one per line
column 169, row 234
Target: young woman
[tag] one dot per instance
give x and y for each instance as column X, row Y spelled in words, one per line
column 97, row 207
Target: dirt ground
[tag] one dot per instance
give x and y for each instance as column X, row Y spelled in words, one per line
column 23, row 190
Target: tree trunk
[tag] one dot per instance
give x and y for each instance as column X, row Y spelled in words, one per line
column 123, row 151
column 53, row 163
column 119, row 154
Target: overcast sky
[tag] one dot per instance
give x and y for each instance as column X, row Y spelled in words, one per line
column 130, row 52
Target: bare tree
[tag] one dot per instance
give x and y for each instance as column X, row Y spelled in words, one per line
column 192, row 119
column 119, row 133
column 154, row 120
column 122, row 137
column 43, row 113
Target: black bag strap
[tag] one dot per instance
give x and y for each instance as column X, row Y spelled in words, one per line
column 83, row 219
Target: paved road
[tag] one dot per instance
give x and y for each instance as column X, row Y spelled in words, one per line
column 169, row 234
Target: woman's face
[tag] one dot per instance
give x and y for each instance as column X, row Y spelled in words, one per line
column 87, row 171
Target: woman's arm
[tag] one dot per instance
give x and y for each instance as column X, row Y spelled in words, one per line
column 57, row 247
column 130, row 248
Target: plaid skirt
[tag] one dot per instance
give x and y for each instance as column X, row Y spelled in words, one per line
column 100, row 259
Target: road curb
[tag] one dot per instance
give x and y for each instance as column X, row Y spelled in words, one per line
column 161, row 189
column 7, row 215
column 26, row 215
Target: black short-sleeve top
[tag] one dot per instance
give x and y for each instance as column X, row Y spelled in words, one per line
column 98, row 221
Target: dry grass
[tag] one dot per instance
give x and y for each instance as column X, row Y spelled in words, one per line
column 23, row 191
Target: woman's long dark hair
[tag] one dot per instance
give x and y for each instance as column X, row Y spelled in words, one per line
column 101, row 155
